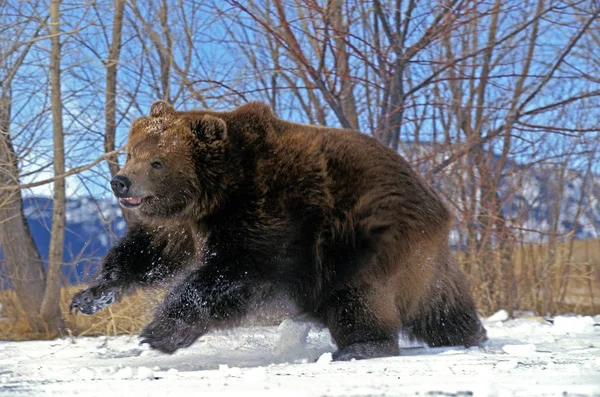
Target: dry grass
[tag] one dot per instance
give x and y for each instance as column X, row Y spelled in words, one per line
column 125, row 317
column 548, row 279
column 563, row 279
column 569, row 276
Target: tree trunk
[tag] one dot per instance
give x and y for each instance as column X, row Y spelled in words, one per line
column 110, row 111
column 50, row 311
column 23, row 262
column 348, row 101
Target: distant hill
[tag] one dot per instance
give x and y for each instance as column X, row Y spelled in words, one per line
column 531, row 196
column 92, row 227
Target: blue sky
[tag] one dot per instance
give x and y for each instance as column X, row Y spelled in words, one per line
column 217, row 61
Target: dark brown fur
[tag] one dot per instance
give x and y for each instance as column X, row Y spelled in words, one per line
column 333, row 219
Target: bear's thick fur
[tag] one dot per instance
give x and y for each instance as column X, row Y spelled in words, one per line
column 246, row 207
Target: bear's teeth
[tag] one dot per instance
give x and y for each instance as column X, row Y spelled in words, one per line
column 132, row 200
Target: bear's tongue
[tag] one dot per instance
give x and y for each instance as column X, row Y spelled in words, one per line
column 132, row 200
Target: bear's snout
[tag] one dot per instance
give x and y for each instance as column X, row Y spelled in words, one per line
column 120, row 185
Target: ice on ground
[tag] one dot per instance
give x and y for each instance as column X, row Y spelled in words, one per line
column 506, row 365
column 573, row 325
column 145, row 373
column 172, row 373
column 325, row 359
column 500, row 315
column 227, row 371
column 292, row 337
column 86, row 373
column 124, row 373
column 519, row 349
column 223, row 367
column 258, row 374
column 524, row 356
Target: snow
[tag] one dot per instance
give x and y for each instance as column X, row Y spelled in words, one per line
column 124, row 373
column 524, row 356
column 500, row 315
column 145, row 373
column 324, row 359
column 519, row 349
column 575, row 325
column 291, row 338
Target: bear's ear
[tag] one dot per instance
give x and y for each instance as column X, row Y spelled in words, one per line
column 161, row 109
column 209, row 128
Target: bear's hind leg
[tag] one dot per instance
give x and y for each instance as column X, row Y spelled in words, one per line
column 361, row 323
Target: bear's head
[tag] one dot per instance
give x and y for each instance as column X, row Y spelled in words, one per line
column 175, row 164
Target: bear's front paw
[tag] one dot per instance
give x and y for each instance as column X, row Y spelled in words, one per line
column 168, row 335
column 91, row 300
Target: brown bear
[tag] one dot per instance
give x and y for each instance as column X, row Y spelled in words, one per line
column 245, row 207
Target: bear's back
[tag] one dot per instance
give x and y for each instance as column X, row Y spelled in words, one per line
column 358, row 167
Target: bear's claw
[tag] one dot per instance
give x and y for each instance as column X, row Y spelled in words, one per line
column 89, row 301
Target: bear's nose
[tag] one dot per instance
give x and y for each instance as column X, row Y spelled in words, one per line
column 120, row 185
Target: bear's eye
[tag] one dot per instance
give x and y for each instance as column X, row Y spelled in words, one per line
column 156, row 164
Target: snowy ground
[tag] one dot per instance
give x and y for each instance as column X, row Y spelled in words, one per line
column 524, row 357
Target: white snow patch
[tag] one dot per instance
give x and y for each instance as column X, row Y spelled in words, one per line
column 230, row 371
column 500, row 315
column 292, row 338
column 172, row 373
column 86, row 373
column 124, row 373
column 145, row 373
column 325, row 359
column 223, row 367
column 519, row 349
column 257, row 375
column 524, row 356
column 506, row 365
column 573, row 325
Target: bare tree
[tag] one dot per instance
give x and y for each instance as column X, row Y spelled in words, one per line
column 460, row 87
column 23, row 262
column 50, row 310
column 110, row 114
column 110, row 110
column 494, row 102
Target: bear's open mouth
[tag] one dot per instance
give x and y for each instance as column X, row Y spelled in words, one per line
column 130, row 202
